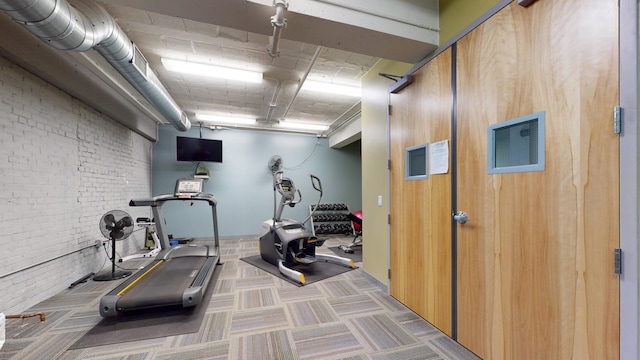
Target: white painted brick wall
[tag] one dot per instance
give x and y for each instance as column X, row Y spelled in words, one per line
column 62, row 166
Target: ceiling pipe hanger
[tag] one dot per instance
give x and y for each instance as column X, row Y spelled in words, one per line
column 279, row 22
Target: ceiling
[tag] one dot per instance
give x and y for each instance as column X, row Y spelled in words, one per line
column 327, row 40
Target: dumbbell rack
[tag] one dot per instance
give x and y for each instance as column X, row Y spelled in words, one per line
column 331, row 219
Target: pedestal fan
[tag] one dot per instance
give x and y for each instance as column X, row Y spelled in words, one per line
column 115, row 225
column 275, row 163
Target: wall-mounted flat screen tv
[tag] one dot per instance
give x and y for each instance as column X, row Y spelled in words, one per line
column 195, row 149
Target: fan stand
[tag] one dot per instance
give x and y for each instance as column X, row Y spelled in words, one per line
column 114, row 274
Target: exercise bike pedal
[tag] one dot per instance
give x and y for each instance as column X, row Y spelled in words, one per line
column 304, row 260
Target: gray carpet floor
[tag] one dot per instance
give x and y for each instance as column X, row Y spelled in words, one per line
column 251, row 315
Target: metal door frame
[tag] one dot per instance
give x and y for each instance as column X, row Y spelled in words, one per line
column 628, row 59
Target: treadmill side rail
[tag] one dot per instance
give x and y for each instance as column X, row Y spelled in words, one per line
column 194, row 295
column 108, row 305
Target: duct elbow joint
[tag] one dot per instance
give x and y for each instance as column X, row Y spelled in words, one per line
column 186, row 124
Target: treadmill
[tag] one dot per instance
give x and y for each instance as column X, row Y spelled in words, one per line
column 179, row 275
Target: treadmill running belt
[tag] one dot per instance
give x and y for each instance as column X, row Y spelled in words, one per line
column 164, row 285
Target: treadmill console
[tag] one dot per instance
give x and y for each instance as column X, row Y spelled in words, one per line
column 187, row 188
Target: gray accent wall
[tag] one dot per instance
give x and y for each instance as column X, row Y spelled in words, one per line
column 242, row 183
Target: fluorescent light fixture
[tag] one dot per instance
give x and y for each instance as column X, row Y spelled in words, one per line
column 302, row 126
column 217, row 119
column 330, row 88
column 219, row 72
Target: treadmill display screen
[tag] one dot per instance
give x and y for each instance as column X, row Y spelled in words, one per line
column 188, row 186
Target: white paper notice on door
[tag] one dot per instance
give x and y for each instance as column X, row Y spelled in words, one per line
column 439, row 157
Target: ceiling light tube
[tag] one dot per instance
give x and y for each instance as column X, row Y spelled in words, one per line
column 302, row 126
column 230, row 120
column 330, row 88
column 219, row 72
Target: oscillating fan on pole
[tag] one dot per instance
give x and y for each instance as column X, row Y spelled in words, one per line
column 275, row 163
column 115, row 225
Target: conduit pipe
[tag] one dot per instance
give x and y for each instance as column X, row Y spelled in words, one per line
column 274, row 100
column 304, row 78
column 278, row 21
column 85, row 26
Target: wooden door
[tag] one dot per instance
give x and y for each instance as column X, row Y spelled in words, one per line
column 421, row 209
column 535, row 262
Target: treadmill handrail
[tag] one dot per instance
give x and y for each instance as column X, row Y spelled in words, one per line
column 158, row 200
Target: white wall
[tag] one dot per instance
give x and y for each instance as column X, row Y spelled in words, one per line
column 62, row 165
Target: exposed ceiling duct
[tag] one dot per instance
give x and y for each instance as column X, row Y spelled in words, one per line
column 86, row 25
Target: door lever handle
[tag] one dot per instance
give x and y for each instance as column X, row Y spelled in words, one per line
column 460, row 217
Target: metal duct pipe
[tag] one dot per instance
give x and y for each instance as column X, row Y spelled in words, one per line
column 278, row 21
column 87, row 26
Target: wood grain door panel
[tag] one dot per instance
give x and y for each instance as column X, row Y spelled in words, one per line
column 421, row 221
column 535, row 264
